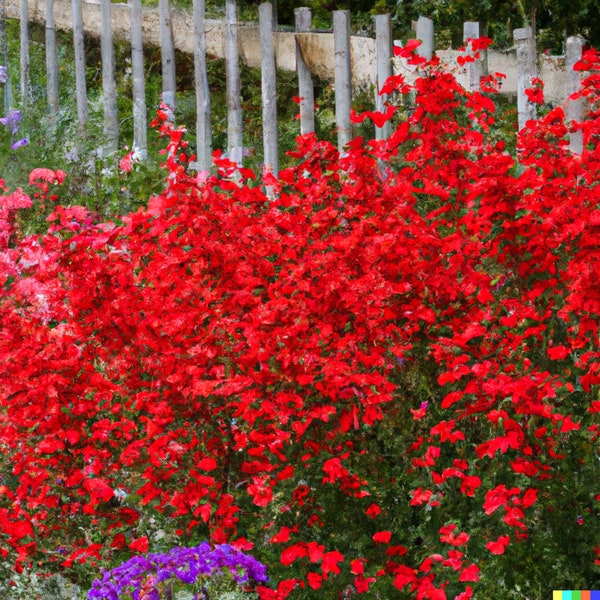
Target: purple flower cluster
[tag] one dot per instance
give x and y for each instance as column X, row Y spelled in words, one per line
column 142, row 576
column 11, row 121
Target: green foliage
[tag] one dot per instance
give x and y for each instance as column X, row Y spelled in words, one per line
column 29, row 585
column 553, row 21
column 95, row 180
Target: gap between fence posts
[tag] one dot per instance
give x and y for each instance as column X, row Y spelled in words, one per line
column 306, row 91
column 269, row 89
column 343, row 77
column 203, row 128
column 52, row 86
column 234, row 95
column 109, row 86
column 527, row 70
column 575, row 109
column 79, row 50
column 383, row 48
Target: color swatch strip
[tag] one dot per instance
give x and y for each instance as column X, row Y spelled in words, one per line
column 576, row 595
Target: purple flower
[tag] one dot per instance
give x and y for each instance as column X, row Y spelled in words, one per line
column 20, row 143
column 2, row 74
column 11, row 120
column 147, row 572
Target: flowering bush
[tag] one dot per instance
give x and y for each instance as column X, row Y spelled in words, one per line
column 156, row 576
column 382, row 376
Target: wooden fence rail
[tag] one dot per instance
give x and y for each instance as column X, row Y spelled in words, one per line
column 353, row 62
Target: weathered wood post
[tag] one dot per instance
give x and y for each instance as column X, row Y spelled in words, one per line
column 3, row 39
column 167, row 53
column 575, row 109
column 24, row 52
column 474, row 69
column 140, row 126
column 234, row 94
column 383, row 45
column 306, row 90
column 52, row 89
column 109, row 85
column 203, row 129
column 79, row 50
column 424, row 32
column 527, row 70
column 269, row 88
column 342, row 76
column 4, row 44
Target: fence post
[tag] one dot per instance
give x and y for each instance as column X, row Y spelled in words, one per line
column 575, row 109
column 51, row 63
column 4, row 44
column 79, row 50
column 383, row 44
column 203, row 129
column 527, row 70
column 140, row 144
column 343, row 76
column 167, row 53
column 424, row 32
column 306, row 90
column 234, row 101
column 474, row 69
column 269, row 88
column 24, row 47
column 109, row 86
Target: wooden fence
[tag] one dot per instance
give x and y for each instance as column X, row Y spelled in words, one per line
column 344, row 53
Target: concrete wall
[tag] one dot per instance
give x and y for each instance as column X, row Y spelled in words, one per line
column 317, row 48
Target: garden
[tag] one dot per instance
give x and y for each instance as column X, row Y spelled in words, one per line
column 375, row 375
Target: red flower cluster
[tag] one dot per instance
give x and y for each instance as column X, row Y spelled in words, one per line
column 225, row 355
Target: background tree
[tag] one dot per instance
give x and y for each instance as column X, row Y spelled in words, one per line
column 553, row 21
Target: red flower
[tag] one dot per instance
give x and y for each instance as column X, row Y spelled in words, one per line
column 314, row 580
column 139, row 544
column 447, row 535
column 499, row 546
column 535, row 94
column 382, row 537
column 470, row 573
column 420, row 496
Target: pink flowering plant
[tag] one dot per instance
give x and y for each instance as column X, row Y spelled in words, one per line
column 202, row 571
